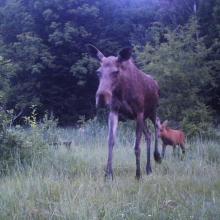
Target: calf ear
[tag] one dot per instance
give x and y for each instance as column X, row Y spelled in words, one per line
column 124, row 54
column 158, row 122
column 95, row 52
column 165, row 123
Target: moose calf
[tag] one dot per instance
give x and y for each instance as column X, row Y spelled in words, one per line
column 170, row 137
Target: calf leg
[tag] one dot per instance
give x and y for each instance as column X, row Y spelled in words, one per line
column 183, row 150
column 163, row 150
column 174, row 150
column 147, row 135
column 139, row 130
column 112, row 123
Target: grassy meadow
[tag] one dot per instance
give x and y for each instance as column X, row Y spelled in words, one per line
column 69, row 183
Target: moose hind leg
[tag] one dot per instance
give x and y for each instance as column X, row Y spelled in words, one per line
column 147, row 135
column 157, row 156
column 139, row 130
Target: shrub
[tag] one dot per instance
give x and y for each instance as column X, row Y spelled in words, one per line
column 197, row 120
column 10, row 144
column 10, row 150
column 24, row 145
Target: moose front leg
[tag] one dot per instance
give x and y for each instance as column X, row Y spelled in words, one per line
column 112, row 128
column 139, row 130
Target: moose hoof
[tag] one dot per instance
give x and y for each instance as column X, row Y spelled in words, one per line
column 138, row 175
column 157, row 157
column 148, row 170
column 108, row 175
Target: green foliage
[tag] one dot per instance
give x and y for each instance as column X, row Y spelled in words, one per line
column 47, row 48
column 48, row 127
column 209, row 18
column 197, row 121
column 23, row 147
column 84, row 69
column 181, row 67
column 6, row 71
column 10, row 144
column 43, row 58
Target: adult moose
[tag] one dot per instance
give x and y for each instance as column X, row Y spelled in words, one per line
column 126, row 90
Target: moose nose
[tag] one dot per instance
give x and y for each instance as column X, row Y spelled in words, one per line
column 103, row 99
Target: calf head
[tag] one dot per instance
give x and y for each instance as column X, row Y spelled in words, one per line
column 109, row 74
column 162, row 127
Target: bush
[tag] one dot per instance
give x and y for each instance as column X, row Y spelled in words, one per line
column 197, row 120
column 10, row 150
column 24, row 145
column 10, row 144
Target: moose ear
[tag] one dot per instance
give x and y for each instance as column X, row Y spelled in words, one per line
column 165, row 123
column 95, row 52
column 124, row 54
column 158, row 122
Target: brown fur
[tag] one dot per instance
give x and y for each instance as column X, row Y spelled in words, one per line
column 129, row 93
column 133, row 91
column 171, row 137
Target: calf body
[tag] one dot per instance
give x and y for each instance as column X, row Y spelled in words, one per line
column 171, row 137
column 130, row 93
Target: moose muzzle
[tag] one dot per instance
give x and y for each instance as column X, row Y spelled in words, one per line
column 103, row 99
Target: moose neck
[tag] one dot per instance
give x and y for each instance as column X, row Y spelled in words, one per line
column 126, row 88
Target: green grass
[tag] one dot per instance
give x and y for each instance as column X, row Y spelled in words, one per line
column 70, row 184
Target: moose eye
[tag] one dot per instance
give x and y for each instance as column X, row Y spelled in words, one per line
column 115, row 73
column 99, row 73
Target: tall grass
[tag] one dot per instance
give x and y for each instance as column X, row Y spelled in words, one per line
column 69, row 184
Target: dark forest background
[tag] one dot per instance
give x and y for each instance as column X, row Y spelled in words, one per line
column 44, row 60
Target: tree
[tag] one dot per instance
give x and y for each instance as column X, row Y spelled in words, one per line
column 45, row 41
column 181, row 67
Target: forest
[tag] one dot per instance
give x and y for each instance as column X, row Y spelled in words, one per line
column 44, row 59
